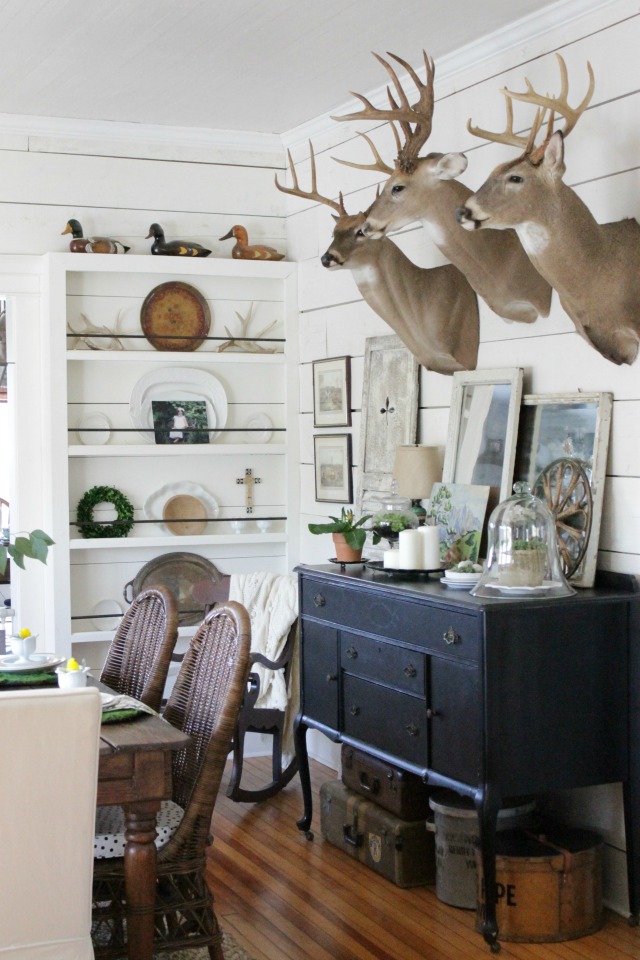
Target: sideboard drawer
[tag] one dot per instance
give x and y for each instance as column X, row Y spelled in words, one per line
column 384, row 662
column 435, row 628
column 386, row 719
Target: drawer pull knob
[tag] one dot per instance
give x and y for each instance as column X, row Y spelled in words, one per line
column 332, row 677
column 354, row 710
column 450, row 636
column 352, row 653
column 432, row 713
column 410, row 671
column 412, row 730
column 319, row 600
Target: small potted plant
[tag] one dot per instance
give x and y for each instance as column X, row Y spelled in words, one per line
column 523, row 565
column 349, row 534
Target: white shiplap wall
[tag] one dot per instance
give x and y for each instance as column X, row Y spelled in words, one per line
column 603, row 163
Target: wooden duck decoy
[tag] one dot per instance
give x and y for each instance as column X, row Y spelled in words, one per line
column 243, row 250
column 81, row 244
column 174, row 248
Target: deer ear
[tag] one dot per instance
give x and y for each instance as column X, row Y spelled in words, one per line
column 553, row 161
column 450, row 166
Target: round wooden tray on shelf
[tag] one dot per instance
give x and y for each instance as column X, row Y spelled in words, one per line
column 175, row 316
column 185, row 515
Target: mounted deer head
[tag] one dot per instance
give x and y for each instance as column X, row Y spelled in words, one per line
column 425, row 189
column 594, row 267
column 433, row 311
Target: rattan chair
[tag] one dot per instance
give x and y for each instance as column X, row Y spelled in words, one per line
column 204, row 703
column 140, row 653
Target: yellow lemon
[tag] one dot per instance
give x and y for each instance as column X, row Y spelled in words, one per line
column 24, row 633
column 72, row 664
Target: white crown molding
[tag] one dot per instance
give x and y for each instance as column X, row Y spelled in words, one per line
column 61, row 127
column 515, row 35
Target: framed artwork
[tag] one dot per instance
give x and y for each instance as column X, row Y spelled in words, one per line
column 180, row 421
column 389, row 415
column 332, row 458
column 566, row 427
column 458, row 509
column 483, row 425
column 332, row 392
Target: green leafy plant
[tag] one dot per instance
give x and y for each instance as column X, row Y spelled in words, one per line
column 536, row 543
column 354, row 533
column 32, row 546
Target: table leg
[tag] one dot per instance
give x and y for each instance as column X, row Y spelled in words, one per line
column 300, row 741
column 140, row 876
column 487, row 804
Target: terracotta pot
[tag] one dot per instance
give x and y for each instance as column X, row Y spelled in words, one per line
column 344, row 552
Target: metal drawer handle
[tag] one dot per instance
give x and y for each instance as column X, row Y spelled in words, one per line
column 410, row 671
column 352, row 653
column 432, row 713
column 319, row 600
column 332, row 677
column 412, row 730
column 354, row 710
column 450, row 636
column 373, row 787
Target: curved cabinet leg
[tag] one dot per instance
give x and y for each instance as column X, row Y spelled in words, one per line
column 300, row 741
column 487, row 803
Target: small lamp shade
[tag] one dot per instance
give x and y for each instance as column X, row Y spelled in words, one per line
column 416, row 468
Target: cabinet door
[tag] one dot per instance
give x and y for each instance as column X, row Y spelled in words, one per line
column 319, row 681
column 455, row 708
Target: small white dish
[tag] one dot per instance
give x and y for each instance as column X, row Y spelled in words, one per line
column 94, row 428
column 72, row 679
column 455, row 585
column 23, row 647
column 258, row 426
column 238, row 526
column 263, row 525
column 462, row 577
column 108, row 614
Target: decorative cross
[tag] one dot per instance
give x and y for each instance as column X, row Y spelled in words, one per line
column 386, row 410
column 248, row 480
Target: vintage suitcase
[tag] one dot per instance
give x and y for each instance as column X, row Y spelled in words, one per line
column 548, row 884
column 400, row 850
column 396, row 790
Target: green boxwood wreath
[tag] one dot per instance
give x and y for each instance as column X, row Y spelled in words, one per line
column 116, row 528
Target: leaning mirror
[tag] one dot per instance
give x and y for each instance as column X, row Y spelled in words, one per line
column 483, row 426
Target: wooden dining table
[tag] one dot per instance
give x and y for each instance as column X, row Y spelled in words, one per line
column 135, row 773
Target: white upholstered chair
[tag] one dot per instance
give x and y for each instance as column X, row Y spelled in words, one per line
column 49, row 763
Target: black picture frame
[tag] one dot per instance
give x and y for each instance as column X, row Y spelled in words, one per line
column 333, row 468
column 332, row 392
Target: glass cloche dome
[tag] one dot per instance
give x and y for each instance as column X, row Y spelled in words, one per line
column 522, row 550
column 393, row 514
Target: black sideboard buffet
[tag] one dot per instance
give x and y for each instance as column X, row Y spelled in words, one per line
column 492, row 698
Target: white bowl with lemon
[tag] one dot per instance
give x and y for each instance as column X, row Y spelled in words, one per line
column 72, row 675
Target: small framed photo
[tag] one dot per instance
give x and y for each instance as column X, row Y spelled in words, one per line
column 332, row 392
column 180, row 421
column 332, row 455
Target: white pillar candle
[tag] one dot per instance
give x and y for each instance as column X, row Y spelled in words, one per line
column 410, row 550
column 390, row 559
column 430, row 541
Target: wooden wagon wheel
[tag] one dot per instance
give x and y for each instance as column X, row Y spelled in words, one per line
column 564, row 486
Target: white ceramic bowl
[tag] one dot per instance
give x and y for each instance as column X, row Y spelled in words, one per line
column 23, row 647
column 462, row 577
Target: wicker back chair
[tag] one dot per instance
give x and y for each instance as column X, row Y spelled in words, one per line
column 140, row 653
column 204, row 703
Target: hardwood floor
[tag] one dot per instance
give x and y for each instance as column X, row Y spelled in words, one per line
column 285, row 898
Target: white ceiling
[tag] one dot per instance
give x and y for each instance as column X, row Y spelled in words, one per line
column 242, row 65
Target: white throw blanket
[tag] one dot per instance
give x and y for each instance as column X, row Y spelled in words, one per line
column 272, row 603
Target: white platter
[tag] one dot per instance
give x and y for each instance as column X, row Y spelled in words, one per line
column 100, row 611
column 520, row 591
column 260, row 428
column 37, row 663
column 177, row 383
column 89, row 432
column 154, row 504
column 458, row 584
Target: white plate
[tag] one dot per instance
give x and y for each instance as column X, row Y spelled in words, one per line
column 104, row 607
column 520, row 591
column 107, row 699
column 177, row 383
column 458, row 584
column 88, row 429
column 154, row 504
column 260, row 425
column 37, row 662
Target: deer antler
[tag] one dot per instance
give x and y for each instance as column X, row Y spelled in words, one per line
column 553, row 105
column 415, row 121
column 296, row 191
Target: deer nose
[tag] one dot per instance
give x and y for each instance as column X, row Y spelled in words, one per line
column 327, row 259
column 462, row 214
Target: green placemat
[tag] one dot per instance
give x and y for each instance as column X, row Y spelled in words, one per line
column 116, row 716
column 39, row 679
